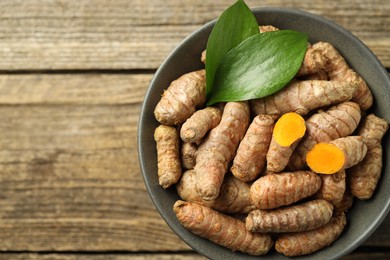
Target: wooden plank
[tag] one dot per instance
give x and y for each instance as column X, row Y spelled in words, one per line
column 171, row 256
column 106, row 256
column 121, row 34
column 70, row 180
column 69, row 173
column 86, row 89
column 367, row 255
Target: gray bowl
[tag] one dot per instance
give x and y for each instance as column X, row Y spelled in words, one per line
column 363, row 218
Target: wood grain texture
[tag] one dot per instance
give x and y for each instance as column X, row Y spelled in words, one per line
column 157, row 256
column 122, row 34
column 69, row 173
column 107, row 256
column 70, row 89
column 70, row 180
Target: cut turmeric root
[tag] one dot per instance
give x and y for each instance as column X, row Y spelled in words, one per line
column 288, row 131
column 221, row 229
column 338, row 121
column 341, row 153
column 278, row 202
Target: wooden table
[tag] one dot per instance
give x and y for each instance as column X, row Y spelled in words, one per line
column 73, row 75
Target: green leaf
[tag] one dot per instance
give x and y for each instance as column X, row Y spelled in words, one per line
column 233, row 26
column 259, row 66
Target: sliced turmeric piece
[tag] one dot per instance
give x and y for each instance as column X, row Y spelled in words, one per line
column 338, row 121
column 341, row 153
column 325, row 158
column 289, row 128
column 288, row 131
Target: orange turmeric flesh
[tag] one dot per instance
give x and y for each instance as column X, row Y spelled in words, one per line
column 325, row 158
column 289, row 128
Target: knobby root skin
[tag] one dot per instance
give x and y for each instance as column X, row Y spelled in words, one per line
column 324, row 56
column 251, row 153
column 296, row 218
column 281, row 189
column 353, row 147
column 288, row 131
column 303, row 96
column 345, row 203
column 188, row 155
column 186, row 189
column 233, row 198
column 340, row 120
column 373, row 129
column 218, row 149
column 341, row 153
column 168, row 157
column 278, row 156
column 307, row 242
column 332, row 187
column 221, row 229
column 203, row 57
column 267, row 28
column 181, row 99
column 320, row 75
column 196, row 127
column 364, row 177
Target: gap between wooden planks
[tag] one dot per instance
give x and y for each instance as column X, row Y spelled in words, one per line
column 122, row 34
column 69, row 170
column 70, row 179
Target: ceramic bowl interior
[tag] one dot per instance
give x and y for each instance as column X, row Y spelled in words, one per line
column 363, row 218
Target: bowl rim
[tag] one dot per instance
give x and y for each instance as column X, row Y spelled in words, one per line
column 142, row 118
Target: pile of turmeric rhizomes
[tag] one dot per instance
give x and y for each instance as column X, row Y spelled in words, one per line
column 281, row 170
